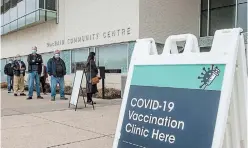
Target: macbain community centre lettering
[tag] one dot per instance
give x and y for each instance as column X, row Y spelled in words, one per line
column 93, row 36
column 156, row 122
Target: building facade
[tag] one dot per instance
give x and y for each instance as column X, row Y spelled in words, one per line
column 109, row 28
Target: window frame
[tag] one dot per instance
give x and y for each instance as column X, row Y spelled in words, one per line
column 114, row 70
column 209, row 9
column 74, row 67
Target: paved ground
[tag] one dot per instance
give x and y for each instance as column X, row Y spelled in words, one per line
column 45, row 124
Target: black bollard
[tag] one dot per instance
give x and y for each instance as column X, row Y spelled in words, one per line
column 103, row 88
column 102, row 75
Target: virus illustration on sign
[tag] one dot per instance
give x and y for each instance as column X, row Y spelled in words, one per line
column 208, row 76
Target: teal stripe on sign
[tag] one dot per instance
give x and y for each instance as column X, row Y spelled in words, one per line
column 178, row 76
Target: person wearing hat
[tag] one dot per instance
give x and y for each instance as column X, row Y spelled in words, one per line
column 91, row 72
column 8, row 70
column 57, row 70
column 34, row 68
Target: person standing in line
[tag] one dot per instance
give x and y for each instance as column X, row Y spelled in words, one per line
column 91, row 72
column 34, row 68
column 19, row 68
column 43, row 78
column 8, row 70
column 57, row 70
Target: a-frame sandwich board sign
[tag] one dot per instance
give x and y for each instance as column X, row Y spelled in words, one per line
column 78, row 78
column 182, row 100
column 236, row 130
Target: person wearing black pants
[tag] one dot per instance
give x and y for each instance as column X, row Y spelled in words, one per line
column 43, row 78
column 43, row 83
column 89, row 97
column 8, row 70
column 91, row 72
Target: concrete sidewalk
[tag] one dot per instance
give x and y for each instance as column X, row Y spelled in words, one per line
column 46, row 124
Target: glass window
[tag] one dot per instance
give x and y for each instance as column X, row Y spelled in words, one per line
column 221, row 3
column 204, row 22
column 13, row 25
column 2, row 22
column 42, row 15
column 21, row 12
column 222, row 18
column 30, row 11
column 78, row 59
column 46, row 57
column 66, row 56
column 2, row 7
column 13, row 13
column 31, row 5
column 130, row 51
column 6, row 5
column 92, row 49
column 204, row 4
column 242, row 1
column 13, row 17
column 3, row 76
column 222, row 15
column 6, row 29
column 41, row 4
column 2, row 30
column 3, row 62
column 50, row 5
column 13, row 3
column 242, row 16
column 113, row 57
column 6, row 17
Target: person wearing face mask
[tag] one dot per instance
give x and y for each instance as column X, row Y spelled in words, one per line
column 34, row 68
column 19, row 68
column 8, row 70
column 57, row 70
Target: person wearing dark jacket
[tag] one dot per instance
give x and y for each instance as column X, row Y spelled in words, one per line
column 19, row 68
column 8, row 70
column 57, row 70
column 91, row 72
column 34, row 68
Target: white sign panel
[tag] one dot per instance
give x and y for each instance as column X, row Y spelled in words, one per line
column 76, row 87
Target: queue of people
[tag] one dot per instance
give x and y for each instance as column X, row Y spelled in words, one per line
column 38, row 74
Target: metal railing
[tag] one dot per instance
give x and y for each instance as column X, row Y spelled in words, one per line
column 37, row 17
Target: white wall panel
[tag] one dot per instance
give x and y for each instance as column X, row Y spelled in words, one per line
column 161, row 18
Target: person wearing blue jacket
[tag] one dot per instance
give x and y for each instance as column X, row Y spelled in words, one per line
column 57, row 70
